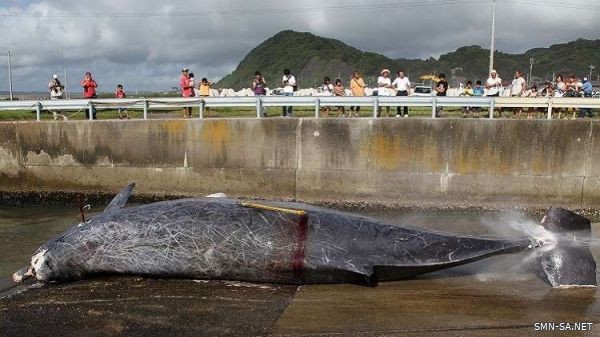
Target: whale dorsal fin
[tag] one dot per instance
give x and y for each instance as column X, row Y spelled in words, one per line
column 121, row 199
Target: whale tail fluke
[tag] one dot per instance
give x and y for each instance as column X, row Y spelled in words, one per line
column 567, row 261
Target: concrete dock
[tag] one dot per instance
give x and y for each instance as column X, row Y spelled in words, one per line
column 442, row 305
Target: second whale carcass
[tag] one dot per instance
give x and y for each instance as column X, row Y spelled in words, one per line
column 281, row 242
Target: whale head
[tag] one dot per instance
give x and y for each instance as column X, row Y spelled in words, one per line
column 44, row 267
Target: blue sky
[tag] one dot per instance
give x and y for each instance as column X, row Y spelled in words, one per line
column 145, row 51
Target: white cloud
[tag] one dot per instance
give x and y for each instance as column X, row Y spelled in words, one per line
column 146, row 52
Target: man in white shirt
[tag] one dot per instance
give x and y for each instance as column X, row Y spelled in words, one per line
column 289, row 86
column 517, row 88
column 493, row 84
column 518, row 85
column 402, row 85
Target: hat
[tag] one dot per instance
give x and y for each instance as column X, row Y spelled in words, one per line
column 585, row 79
column 493, row 71
column 184, row 70
column 54, row 76
column 385, row 71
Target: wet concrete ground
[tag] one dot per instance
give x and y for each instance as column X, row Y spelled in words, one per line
column 441, row 305
column 494, row 297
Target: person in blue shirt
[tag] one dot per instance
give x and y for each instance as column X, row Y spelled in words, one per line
column 478, row 90
column 587, row 92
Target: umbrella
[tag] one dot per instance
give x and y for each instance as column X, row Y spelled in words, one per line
column 430, row 78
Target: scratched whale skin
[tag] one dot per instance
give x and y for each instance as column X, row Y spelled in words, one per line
column 291, row 243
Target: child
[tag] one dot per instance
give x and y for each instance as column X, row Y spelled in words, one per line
column 338, row 90
column 326, row 90
column 532, row 93
column 120, row 94
column 478, row 91
column 192, row 82
column 468, row 92
column 204, row 91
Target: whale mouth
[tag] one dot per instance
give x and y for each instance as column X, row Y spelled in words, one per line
column 37, row 261
column 23, row 274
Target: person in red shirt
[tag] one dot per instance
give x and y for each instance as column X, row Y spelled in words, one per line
column 187, row 90
column 120, row 94
column 89, row 92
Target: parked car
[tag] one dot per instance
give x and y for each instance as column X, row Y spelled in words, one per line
column 423, row 91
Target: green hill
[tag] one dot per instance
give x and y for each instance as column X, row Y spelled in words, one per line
column 311, row 58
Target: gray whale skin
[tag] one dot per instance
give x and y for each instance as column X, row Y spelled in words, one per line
column 291, row 243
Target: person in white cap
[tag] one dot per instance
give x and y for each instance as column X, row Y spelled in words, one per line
column 57, row 90
column 493, row 84
column 384, row 85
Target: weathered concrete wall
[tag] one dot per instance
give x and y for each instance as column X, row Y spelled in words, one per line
column 405, row 162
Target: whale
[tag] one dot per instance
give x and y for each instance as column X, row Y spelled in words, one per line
column 219, row 238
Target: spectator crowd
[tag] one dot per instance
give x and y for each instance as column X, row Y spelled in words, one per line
column 400, row 86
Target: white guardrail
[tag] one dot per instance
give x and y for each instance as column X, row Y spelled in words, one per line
column 258, row 102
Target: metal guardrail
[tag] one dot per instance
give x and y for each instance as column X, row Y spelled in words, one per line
column 258, row 102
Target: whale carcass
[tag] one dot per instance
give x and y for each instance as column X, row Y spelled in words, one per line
column 277, row 242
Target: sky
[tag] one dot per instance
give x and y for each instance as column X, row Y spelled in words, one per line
column 144, row 44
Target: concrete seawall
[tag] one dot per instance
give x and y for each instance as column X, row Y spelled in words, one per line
column 388, row 161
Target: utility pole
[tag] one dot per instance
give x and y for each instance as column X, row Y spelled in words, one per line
column 66, row 82
column 10, row 87
column 531, row 62
column 493, row 43
column 592, row 67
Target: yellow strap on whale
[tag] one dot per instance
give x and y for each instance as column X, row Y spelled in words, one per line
column 298, row 212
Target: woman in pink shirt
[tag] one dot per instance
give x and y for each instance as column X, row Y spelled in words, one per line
column 89, row 92
column 187, row 90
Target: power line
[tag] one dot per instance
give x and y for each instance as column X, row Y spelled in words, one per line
column 406, row 4
column 555, row 4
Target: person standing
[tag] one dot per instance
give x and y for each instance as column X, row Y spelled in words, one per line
column 384, row 84
column 57, row 91
column 339, row 90
column 478, row 91
column 326, row 90
column 517, row 89
column 89, row 92
column 441, row 90
column 493, row 84
column 357, row 86
column 187, row 90
column 120, row 94
column 518, row 85
column 467, row 92
column 259, row 87
column 559, row 87
column 289, row 86
column 402, row 85
column 573, row 87
column 204, row 92
column 587, row 90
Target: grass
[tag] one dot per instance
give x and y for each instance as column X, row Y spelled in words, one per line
column 422, row 112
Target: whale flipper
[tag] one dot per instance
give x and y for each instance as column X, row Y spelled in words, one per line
column 121, row 199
